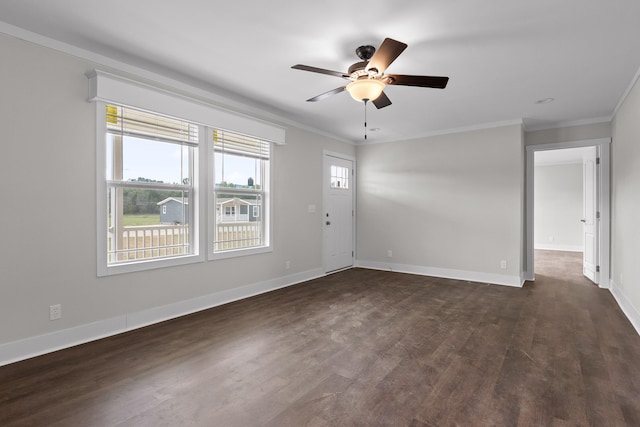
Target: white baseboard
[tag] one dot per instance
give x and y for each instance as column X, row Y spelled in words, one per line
column 632, row 313
column 35, row 346
column 471, row 276
column 47, row 343
column 563, row 248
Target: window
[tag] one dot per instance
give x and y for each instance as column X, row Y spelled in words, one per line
column 241, row 187
column 339, row 177
column 171, row 189
column 150, row 162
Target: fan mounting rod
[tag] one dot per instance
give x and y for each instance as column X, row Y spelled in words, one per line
column 365, row 52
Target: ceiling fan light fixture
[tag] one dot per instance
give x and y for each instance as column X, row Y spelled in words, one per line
column 369, row 89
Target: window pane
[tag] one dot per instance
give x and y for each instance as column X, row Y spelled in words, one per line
column 238, row 222
column 146, row 223
column 237, row 171
column 241, row 175
column 339, row 177
column 147, row 160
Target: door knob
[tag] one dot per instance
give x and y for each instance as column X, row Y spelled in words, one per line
column 328, row 222
column 583, row 220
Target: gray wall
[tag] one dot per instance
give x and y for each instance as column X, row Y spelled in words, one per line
column 625, row 236
column 452, row 203
column 558, row 207
column 49, row 255
column 569, row 133
column 443, row 205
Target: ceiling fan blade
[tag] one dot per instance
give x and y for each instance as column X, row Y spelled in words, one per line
column 388, row 51
column 327, row 94
column 382, row 101
column 319, row 70
column 422, row 81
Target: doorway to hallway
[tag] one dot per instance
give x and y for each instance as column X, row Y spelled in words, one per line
column 567, row 204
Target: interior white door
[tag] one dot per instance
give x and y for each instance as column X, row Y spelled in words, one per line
column 590, row 218
column 338, row 214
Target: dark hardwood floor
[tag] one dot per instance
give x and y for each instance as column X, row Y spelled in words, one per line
column 356, row 348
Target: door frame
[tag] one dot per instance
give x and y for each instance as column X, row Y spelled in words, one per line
column 604, row 203
column 352, row 159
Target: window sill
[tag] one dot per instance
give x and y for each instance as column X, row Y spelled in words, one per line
column 144, row 265
column 239, row 252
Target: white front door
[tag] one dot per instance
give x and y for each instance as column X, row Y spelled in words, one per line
column 337, row 213
column 589, row 216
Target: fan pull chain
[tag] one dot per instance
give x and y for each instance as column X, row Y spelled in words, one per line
column 365, row 118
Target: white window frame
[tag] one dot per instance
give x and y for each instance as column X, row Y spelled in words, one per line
column 108, row 88
column 267, row 219
column 103, row 267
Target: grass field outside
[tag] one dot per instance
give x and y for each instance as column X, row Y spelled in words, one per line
column 140, row 219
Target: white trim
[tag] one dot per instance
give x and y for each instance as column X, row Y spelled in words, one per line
column 266, row 211
column 105, row 269
column 604, row 202
column 338, row 155
column 101, row 192
column 234, row 253
column 35, row 346
column 626, row 93
column 208, row 93
column 626, row 306
column 483, row 126
column 446, row 273
column 144, row 264
column 111, row 88
column 563, row 248
column 568, row 123
column 569, row 144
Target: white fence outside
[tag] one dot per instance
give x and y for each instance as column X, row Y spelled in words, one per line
column 160, row 241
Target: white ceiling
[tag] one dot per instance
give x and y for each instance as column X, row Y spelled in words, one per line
column 501, row 55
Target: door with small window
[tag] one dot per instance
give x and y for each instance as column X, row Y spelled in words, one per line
column 338, row 212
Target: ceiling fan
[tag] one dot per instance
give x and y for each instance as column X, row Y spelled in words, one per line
column 367, row 77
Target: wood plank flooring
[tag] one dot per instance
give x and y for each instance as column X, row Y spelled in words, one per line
column 356, row 348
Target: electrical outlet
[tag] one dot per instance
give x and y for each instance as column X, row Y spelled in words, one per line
column 390, row 253
column 55, row 312
column 287, row 265
column 503, row 264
